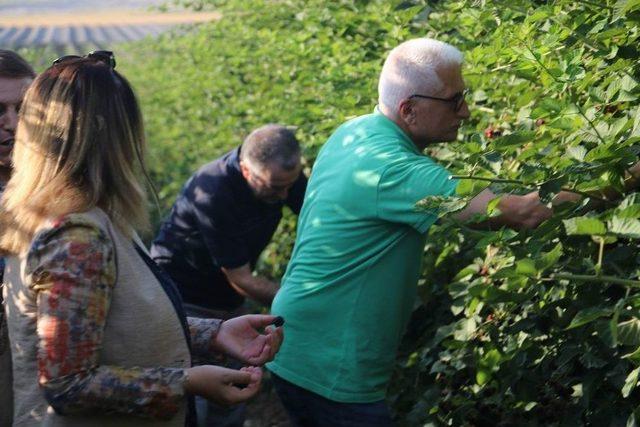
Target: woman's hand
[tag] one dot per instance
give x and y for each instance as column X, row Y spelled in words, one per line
column 222, row 385
column 241, row 338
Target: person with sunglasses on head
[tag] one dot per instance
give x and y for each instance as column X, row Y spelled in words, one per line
column 15, row 77
column 223, row 218
column 97, row 331
column 350, row 285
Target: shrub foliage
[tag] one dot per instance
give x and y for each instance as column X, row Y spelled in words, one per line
column 513, row 328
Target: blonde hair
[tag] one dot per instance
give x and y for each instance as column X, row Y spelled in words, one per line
column 412, row 67
column 79, row 145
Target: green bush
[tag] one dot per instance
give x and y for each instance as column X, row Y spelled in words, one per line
column 537, row 327
column 530, row 328
column 513, row 328
column 306, row 64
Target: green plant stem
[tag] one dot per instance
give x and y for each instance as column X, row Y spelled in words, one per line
column 589, row 278
column 496, row 180
column 600, row 253
column 584, row 116
column 533, row 185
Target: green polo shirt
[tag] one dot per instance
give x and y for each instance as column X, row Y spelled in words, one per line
column 351, row 283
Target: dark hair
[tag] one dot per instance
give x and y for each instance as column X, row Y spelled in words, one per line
column 271, row 144
column 13, row 66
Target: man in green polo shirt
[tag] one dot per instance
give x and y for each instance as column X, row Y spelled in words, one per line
column 351, row 282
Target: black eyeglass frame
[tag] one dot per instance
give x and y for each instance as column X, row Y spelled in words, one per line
column 105, row 56
column 458, row 99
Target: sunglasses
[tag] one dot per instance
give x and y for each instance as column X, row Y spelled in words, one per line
column 105, row 56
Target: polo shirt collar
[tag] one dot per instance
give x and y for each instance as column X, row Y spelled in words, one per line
column 390, row 125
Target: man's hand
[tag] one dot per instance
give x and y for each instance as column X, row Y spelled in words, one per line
column 241, row 338
column 222, row 385
column 520, row 212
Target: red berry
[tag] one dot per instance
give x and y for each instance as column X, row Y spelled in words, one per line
column 492, row 132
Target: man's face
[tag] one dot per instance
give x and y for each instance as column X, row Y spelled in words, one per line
column 11, row 93
column 270, row 183
column 437, row 120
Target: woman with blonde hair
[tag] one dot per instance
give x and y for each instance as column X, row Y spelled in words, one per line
column 97, row 331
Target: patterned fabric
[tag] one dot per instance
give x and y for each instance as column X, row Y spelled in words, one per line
column 202, row 331
column 73, row 273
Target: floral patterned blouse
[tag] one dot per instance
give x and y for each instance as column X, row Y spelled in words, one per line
column 74, row 273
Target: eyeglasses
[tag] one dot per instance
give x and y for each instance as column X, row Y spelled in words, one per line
column 105, row 56
column 457, row 100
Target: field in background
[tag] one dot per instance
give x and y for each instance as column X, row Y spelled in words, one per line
column 74, row 26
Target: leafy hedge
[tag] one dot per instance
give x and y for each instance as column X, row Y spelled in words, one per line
column 530, row 328
column 523, row 328
column 537, row 327
column 306, row 64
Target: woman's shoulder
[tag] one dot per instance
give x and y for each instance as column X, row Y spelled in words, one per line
column 84, row 228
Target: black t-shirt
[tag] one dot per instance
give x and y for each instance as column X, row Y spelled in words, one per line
column 217, row 222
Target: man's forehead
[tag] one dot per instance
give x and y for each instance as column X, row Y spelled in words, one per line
column 276, row 174
column 451, row 76
column 12, row 90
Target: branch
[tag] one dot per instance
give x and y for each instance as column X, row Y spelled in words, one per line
column 533, row 185
column 589, row 278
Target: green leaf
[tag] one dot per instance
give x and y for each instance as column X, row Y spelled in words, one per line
column 629, row 332
column 629, row 207
column 488, row 363
column 470, row 187
column 516, row 139
column 622, row 7
column 630, row 383
column 465, row 330
column 625, row 227
column 549, row 259
column 577, row 152
column 584, row 226
column 492, row 207
column 550, row 188
column 526, row 267
column 636, row 124
column 483, row 376
column 606, row 331
column 588, row 315
column 633, row 356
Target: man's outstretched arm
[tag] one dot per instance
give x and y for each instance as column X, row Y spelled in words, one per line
column 517, row 212
column 245, row 283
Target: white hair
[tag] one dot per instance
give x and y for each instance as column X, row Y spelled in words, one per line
column 411, row 67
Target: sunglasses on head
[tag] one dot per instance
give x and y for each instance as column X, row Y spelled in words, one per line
column 105, row 56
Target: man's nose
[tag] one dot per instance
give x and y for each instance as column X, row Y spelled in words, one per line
column 464, row 111
column 9, row 120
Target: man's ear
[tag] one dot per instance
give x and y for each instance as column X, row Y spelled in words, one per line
column 407, row 112
column 244, row 170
